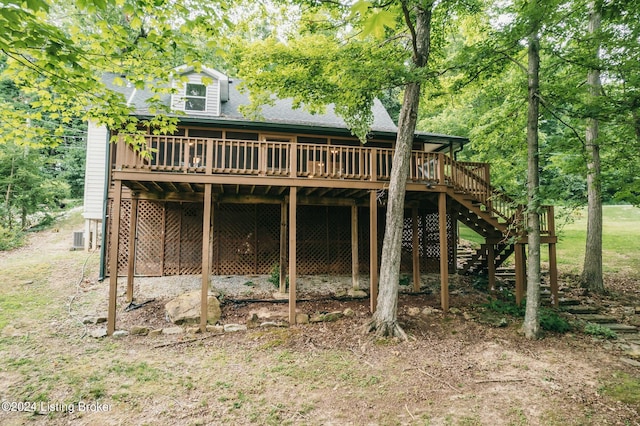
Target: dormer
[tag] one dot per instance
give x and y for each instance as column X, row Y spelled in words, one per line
column 199, row 92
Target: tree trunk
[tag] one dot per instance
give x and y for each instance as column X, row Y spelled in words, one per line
column 592, row 269
column 531, row 326
column 385, row 319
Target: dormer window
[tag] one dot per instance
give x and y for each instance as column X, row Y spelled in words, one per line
column 195, row 97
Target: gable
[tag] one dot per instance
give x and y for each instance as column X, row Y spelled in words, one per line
column 201, row 92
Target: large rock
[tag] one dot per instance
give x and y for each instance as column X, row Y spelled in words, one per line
column 185, row 309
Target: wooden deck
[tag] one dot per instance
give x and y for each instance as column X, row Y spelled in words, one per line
column 182, row 164
column 280, row 170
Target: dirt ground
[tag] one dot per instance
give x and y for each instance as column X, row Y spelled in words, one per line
column 456, row 368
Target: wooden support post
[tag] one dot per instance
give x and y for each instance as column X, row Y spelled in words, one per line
column 293, row 200
column 444, row 252
column 491, row 262
column 355, row 266
column 553, row 264
column 373, row 251
column 283, row 248
column 415, row 249
column 520, row 276
column 206, row 257
column 113, row 256
column 131, row 261
column 553, row 274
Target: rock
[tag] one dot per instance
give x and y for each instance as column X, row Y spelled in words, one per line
column 280, row 296
column 272, row 324
column 429, row 310
column 231, row 328
column 193, row 330
column 468, row 316
column 172, row 330
column 28, row 282
column 302, row 319
column 253, row 321
column 118, row 334
column 348, row 313
column 139, row 330
column 333, row 316
column 316, row 318
column 94, row 320
column 98, row 333
column 632, row 362
column 340, row 294
column 156, row 332
column 455, row 311
column 185, row 309
column 413, row 311
column 357, row 294
column 215, row 329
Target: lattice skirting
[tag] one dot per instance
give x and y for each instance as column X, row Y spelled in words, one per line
column 246, row 239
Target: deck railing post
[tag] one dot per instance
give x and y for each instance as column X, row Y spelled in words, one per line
column 441, row 179
column 374, row 164
column 293, row 159
column 208, row 167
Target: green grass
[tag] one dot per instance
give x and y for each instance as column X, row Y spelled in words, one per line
column 620, row 239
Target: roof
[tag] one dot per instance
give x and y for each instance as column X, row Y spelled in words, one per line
column 279, row 116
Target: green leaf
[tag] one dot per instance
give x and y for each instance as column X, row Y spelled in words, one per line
column 375, row 24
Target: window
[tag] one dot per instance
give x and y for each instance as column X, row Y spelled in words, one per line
column 195, row 97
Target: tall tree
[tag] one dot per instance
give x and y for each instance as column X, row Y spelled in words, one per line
column 592, row 269
column 531, row 325
column 359, row 52
column 417, row 18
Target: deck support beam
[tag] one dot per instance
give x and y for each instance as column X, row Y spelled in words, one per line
column 355, row 265
column 131, row 262
column 373, row 251
column 206, row 257
column 283, row 248
column 415, row 249
column 491, row 265
column 444, row 252
column 520, row 272
column 553, row 274
column 293, row 201
column 113, row 256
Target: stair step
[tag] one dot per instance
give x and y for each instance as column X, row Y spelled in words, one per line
column 597, row 318
column 580, row 309
column 620, row 328
column 565, row 301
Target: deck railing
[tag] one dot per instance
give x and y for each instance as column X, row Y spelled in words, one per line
column 268, row 158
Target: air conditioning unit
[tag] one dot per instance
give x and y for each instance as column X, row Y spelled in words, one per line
column 78, row 240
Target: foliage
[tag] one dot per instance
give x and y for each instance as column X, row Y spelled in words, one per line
column 505, row 304
column 274, row 277
column 26, row 184
column 56, row 53
column 10, row 238
column 600, row 331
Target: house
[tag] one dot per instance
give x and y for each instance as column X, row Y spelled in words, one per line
column 294, row 191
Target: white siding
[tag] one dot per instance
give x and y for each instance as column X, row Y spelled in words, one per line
column 95, row 171
column 213, row 95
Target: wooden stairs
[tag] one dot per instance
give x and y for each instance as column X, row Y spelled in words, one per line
column 490, row 213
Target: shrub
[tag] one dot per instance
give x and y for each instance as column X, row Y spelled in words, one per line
column 600, row 331
column 274, row 277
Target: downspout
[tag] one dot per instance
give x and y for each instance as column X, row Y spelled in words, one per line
column 105, row 200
